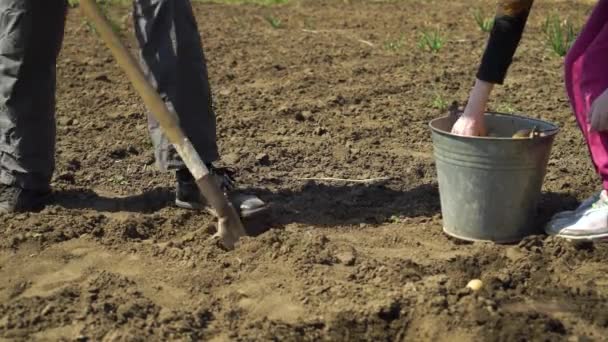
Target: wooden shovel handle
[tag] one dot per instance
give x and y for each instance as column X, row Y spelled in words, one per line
column 230, row 227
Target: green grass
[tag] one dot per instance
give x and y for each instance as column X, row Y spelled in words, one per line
column 439, row 103
column 560, row 34
column 431, row 41
column 274, row 21
column 484, row 24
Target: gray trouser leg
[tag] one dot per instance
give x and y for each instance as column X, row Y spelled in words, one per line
column 172, row 57
column 31, row 33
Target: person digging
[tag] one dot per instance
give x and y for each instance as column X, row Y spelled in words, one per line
column 31, row 35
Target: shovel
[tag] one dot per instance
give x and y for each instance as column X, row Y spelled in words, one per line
column 230, row 227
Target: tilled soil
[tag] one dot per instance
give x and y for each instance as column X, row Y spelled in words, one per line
column 341, row 89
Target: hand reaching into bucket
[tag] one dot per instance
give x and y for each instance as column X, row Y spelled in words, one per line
column 471, row 126
column 598, row 116
column 472, row 121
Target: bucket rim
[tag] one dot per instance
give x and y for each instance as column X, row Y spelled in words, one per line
column 550, row 133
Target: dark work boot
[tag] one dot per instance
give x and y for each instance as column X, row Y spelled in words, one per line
column 188, row 195
column 14, row 199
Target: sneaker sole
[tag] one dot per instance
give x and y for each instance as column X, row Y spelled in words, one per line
column 256, row 212
column 587, row 237
column 247, row 214
column 188, row 205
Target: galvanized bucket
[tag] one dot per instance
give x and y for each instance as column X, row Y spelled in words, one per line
column 490, row 186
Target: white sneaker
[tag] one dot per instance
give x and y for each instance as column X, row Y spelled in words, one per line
column 584, row 206
column 588, row 224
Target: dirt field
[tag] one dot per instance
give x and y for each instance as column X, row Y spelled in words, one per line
column 340, row 89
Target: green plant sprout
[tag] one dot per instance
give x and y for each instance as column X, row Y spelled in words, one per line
column 431, row 41
column 274, row 22
column 559, row 33
column 439, row 103
column 485, row 24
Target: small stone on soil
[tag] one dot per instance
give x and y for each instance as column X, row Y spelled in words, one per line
column 263, row 159
column 346, row 258
column 320, row 131
column 67, row 177
column 231, row 158
column 100, row 77
column 47, row 309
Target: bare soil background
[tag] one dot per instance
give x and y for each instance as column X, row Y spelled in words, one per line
column 340, row 89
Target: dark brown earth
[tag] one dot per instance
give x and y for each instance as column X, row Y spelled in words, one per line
column 339, row 90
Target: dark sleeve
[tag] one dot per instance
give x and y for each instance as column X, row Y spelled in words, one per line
column 509, row 25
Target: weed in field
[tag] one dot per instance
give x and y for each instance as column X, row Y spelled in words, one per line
column 560, row 34
column 431, row 41
column 440, row 103
column 485, row 24
column 274, row 22
column 395, row 44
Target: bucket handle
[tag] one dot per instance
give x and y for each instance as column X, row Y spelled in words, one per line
column 536, row 133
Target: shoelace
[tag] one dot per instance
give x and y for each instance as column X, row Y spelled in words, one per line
column 227, row 176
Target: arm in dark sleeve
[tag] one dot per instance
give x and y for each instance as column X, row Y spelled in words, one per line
column 509, row 25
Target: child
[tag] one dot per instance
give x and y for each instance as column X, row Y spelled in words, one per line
column 587, row 87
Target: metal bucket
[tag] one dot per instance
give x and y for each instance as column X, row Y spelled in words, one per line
column 490, row 186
